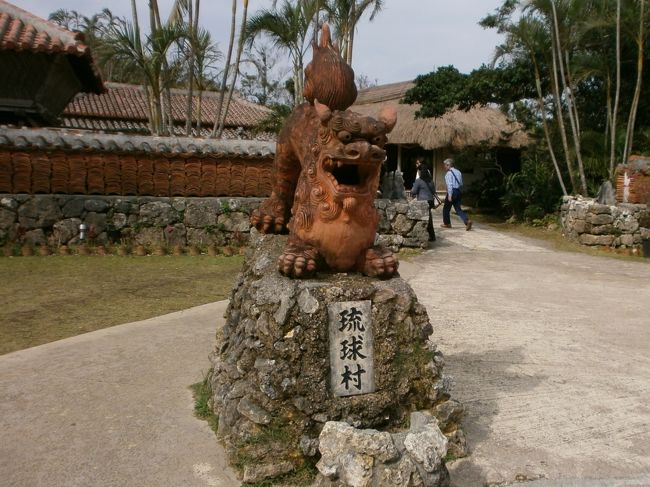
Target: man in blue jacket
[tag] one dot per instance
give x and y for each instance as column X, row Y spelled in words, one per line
column 454, row 182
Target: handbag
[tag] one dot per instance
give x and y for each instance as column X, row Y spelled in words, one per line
column 435, row 202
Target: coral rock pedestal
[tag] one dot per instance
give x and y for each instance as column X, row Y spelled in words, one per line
column 297, row 358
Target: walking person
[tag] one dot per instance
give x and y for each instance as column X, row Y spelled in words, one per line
column 423, row 189
column 454, row 182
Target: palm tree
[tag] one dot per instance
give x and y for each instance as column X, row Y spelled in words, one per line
column 527, row 38
column 344, row 15
column 287, row 29
column 68, row 19
column 149, row 59
column 548, row 13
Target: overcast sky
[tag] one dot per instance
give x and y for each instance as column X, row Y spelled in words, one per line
column 407, row 38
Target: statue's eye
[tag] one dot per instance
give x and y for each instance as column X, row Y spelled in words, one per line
column 344, row 136
column 379, row 140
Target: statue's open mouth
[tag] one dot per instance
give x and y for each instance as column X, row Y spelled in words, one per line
column 349, row 176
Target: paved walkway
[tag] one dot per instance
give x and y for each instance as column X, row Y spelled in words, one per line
column 112, row 408
column 550, row 352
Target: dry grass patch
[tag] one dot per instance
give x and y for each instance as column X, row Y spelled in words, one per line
column 49, row 298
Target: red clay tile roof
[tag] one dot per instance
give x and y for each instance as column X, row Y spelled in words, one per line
column 127, row 103
column 23, row 31
column 142, row 128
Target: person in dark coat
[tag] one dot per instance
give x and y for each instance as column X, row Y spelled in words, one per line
column 423, row 190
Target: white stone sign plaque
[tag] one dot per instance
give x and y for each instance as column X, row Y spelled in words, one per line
column 351, row 348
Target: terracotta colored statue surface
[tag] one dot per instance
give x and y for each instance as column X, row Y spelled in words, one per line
column 326, row 174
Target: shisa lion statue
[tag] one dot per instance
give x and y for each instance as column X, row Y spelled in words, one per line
column 326, row 173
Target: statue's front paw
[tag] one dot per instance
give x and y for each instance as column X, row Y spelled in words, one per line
column 267, row 223
column 270, row 217
column 380, row 262
column 298, row 261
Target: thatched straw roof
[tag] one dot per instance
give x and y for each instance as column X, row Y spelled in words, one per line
column 456, row 129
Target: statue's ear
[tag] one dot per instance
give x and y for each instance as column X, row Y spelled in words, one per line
column 323, row 111
column 388, row 115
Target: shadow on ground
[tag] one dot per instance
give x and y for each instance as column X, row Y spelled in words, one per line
column 480, row 379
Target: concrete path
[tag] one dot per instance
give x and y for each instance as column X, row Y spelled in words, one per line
column 112, row 408
column 550, row 352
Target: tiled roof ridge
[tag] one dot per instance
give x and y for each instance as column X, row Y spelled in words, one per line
column 70, row 42
column 183, row 92
column 27, row 138
column 127, row 102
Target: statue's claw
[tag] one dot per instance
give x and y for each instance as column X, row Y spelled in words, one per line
column 269, row 217
column 298, row 260
column 379, row 262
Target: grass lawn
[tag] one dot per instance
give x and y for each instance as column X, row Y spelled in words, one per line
column 49, row 298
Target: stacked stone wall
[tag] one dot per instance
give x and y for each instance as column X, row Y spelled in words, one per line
column 54, row 220
column 591, row 223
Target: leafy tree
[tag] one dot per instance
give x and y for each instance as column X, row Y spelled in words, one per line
column 273, row 123
column 261, row 80
column 95, row 29
column 577, row 65
column 147, row 58
column 363, row 81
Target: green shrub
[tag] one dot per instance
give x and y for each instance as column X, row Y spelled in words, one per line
column 533, row 191
column 533, row 212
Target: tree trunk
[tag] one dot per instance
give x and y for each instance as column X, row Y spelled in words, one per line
column 316, row 22
column 190, row 81
column 240, row 48
column 560, row 119
column 136, row 27
column 351, row 25
column 547, row 136
column 631, row 122
column 572, row 109
column 163, row 99
column 199, row 107
column 572, row 119
column 612, row 135
column 224, row 81
column 299, row 80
